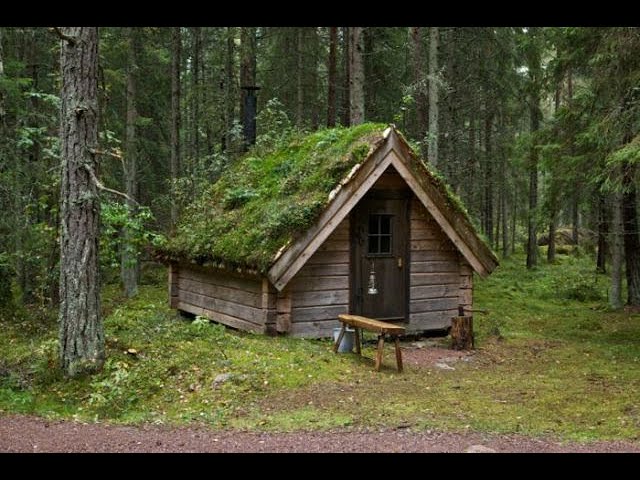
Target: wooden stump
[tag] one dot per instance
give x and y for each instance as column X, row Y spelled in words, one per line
column 462, row 333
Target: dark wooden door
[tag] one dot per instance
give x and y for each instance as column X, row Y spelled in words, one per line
column 379, row 248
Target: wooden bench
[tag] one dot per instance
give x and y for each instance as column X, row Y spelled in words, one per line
column 381, row 328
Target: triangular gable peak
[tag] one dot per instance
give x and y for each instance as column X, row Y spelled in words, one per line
column 393, row 151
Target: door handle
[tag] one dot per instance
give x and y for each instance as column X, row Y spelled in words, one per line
column 399, row 262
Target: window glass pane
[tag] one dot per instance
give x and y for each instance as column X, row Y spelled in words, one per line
column 385, row 224
column 385, row 244
column 373, row 224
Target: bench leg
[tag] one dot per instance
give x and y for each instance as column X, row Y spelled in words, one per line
column 380, row 351
column 358, row 346
column 398, row 354
column 337, row 344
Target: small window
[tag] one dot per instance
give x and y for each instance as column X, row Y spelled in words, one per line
column 379, row 234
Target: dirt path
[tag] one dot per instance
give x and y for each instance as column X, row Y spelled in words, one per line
column 31, row 434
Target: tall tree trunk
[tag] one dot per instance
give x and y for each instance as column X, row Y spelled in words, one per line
column 553, row 225
column 332, row 80
column 418, row 77
column 432, row 153
column 2, row 111
column 300, row 77
column 534, row 114
column 248, row 84
column 601, row 258
column 488, row 169
column 346, row 94
column 617, row 251
column 503, row 200
column 81, row 333
column 129, row 267
column 176, row 49
column 229, row 103
column 356, row 76
column 631, row 236
column 195, row 94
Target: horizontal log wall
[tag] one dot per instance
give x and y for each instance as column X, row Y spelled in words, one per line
column 435, row 273
column 244, row 303
column 320, row 290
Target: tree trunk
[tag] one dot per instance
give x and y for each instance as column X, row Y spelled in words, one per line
column 631, row 236
column 551, row 249
column 332, row 80
column 462, row 333
column 229, row 104
column 601, row 259
column 346, row 94
column 81, row 332
column 503, row 200
column 176, row 49
column 195, row 95
column 356, row 77
column 247, row 84
column 300, row 77
column 418, row 77
column 617, row 251
column 129, row 267
column 488, row 172
column 535, row 74
column 432, row 153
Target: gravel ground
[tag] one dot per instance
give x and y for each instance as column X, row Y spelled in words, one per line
column 20, row 433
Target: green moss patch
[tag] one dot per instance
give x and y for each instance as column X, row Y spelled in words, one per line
column 268, row 198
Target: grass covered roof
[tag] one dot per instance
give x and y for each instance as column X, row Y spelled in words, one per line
column 263, row 202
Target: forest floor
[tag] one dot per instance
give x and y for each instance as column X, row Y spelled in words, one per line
column 552, row 364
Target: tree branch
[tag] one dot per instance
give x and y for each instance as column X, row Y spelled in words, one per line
column 100, row 186
column 62, row 36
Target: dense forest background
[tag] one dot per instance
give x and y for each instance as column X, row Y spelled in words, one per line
column 536, row 129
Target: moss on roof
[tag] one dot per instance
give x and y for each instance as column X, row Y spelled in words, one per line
column 265, row 200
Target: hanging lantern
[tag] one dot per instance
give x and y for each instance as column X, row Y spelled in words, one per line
column 372, row 290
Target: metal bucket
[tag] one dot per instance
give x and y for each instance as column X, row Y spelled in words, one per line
column 346, row 345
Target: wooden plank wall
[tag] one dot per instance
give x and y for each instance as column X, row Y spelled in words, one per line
column 244, row 303
column 435, row 273
column 320, row 290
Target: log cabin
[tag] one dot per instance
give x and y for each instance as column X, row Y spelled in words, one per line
column 345, row 220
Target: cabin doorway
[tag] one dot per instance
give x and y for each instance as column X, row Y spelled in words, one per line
column 379, row 245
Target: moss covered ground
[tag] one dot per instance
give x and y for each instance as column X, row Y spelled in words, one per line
column 551, row 359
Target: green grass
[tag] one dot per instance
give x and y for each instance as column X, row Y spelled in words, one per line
column 546, row 364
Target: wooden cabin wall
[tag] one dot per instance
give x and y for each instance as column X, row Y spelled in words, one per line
column 320, row 290
column 435, row 273
column 241, row 302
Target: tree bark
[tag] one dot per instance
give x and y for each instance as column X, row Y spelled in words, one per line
column 332, row 80
column 432, row 152
column 356, row 76
column 346, row 94
column 229, row 104
column 533, row 61
column 247, row 81
column 195, row 94
column 462, row 333
column 300, row 78
column 81, row 333
column 176, row 49
column 617, row 251
column 631, row 237
column 129, row 267
column 488, row 172
column 418, row 80
column 601, row 258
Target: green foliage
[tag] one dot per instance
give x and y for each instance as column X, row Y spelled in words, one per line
column 117, row 217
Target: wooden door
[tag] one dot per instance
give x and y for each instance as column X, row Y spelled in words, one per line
column 379, row 238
